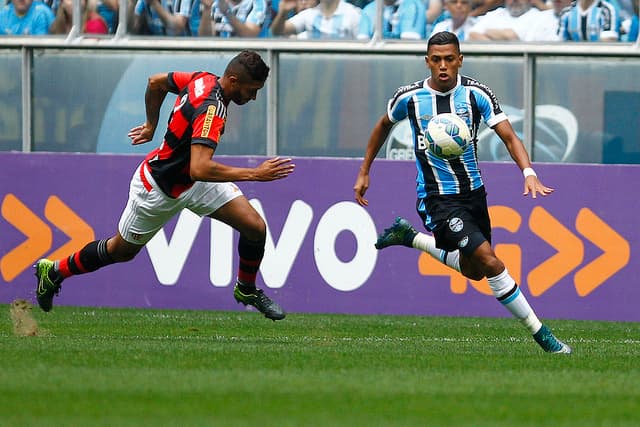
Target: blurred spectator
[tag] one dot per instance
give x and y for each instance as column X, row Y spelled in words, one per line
column 330, row 19
column 401, row 19
column 515, row 21
column 547, row 23
column 161, row 17
column 633, row 29
column 590, row 20
column 459, row 21
column 25, row 17
column 304, row 4
column 482, row 7
column 108, row 9
column 232, row 18
column 630, row 25
column 433, row 10
column 91, row 22
column 361, row 3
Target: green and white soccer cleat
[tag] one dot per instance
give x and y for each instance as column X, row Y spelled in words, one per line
column 259, row 300
column 401, row 232
column 46, row 289
column 549, row 343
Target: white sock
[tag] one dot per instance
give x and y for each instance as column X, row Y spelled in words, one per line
column 508, row 293
column 427, row 243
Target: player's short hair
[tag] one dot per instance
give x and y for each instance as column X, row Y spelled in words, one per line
column 248, row 65
column 442, row 38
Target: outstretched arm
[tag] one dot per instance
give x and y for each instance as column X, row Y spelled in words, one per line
column 376, row 140
column 203, row 168
column 519, row 154
column 157, row 89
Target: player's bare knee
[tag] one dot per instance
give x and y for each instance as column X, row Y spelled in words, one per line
column 255, row 229
column 473, row 275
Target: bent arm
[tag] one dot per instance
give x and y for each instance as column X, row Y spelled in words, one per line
column 174, row 23
column 280, row 26
column 205, row 28
column 157, row 89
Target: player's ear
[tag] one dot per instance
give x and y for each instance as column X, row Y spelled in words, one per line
column 461, row 57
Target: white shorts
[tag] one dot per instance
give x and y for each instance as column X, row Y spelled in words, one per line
column 149, row 208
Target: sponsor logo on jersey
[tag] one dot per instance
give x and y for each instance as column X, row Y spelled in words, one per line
column 206, row 127
column 199, row 87
column 462, row 243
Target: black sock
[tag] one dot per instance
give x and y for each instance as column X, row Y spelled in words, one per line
column 246, row 288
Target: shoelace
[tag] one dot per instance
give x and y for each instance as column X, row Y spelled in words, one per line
column 265, row 300
column 553, row 342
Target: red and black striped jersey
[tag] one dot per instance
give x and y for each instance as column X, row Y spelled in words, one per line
column 198, row 117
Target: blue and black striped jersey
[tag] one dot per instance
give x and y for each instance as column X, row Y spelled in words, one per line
column 469, row 99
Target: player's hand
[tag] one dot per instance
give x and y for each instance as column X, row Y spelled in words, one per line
column 141, row 134
column 360, row 188
column 275, row 168
column 533, row 185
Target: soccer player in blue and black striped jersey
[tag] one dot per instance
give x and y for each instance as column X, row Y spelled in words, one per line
column 452, row 201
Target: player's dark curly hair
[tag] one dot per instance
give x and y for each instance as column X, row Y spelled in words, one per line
column 248, row 65
column 442, row 38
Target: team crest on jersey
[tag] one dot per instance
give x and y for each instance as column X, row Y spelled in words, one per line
column 208, row 119
column 455, row 224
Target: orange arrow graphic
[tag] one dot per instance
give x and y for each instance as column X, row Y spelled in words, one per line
column 38, row 238
column 69, row 223
column 616, row 252
column 570, row 251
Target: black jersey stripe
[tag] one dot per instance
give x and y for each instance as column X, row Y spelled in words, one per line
column 429, row 178
column 443, row 105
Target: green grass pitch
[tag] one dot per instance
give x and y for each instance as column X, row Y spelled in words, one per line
column 129, row 367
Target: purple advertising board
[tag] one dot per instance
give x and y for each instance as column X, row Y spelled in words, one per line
column 571, row 252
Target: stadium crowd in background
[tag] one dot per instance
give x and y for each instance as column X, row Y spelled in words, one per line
column 459, row 20
column 470, row 20
column 91, row 23
column 233, row 18
column 400, row 20
column 517, row 20
column 25, row 17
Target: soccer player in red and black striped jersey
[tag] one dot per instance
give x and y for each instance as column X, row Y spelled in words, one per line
column 181, row 173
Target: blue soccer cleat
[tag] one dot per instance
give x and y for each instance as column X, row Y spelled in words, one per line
column 549, row 342
column 401, row 232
